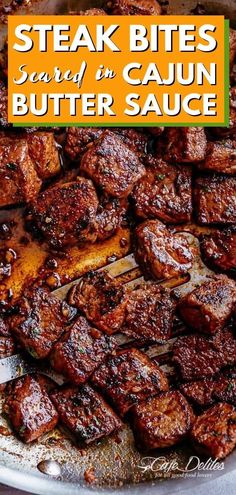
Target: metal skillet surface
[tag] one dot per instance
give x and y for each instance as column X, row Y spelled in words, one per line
column 54, row 464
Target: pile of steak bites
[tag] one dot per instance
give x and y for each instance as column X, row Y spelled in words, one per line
column 165, row 178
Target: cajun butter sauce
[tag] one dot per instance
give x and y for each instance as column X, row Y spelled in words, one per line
column 32, row 260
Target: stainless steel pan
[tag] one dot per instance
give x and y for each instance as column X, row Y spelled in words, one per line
column 115, row 461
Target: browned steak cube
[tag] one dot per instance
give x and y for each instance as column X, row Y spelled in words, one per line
column 135, row 7
column 80, row 351
column 128, row 377
column 111, row 215
column 7, row 347
column 200, row 392
column 219, row 249
column 149, row 312
column 232, row 112
column 112, row 165
column 161, row 254
column 198, row 356
column 66, row 213
column 162, row 421
column 4, row 328
column 214, row 432
column 77, row 139
column 43, row 152
column 39, row 321
column 101, row 299
column 185, row 144
column 215, row 200
column 85, row 413
column 209, row 307
column 220, row 157
column 18, row 178
column 225, row 387
column 3, row 106
column 164, row 192
column 135, row 140
column 30, row 409
column 232, row 49
column 205, row 392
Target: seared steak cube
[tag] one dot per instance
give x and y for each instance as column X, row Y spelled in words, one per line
column 43, row 152
column 214, row 432
column 84, row 412
column 80, row 351
column 220, row 157
column 149, row 312
column 198, row 356
column 78, row 138
column 215, row 199
column 18, row 178
column 112, row 165
column 39, row 322
column 101, row 298
column 3, row 106
column 4, row 328
column 162, row 421
column 7, row 347
column 66, row 214
column 200, row 392
column 135, row 140
column 30, row 409
column 219, row 249
column 160, row 253
column 164, row 193
column 135, row 7
column 220, row 388
column 185, row 144
column 232, row 49
column 129, row 377
column 111, row 214
column 232, row 111
column 208, row 308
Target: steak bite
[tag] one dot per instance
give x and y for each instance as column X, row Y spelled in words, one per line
column 101, row 298
column 232, row 49
column 128, row 377
column 4, row 328
column 215, row 200
column 232, row 111
column 205, row 392
column 209, row 307
column 200, row 392
column 161, row 254
column 43, row 152
column 7, row 347
column 184, row 144
column 78, row 138
column 84, row 412
column 80, row 351
column 214, row 432
column 111, row 214
column 30, row 409
column 220, row 157
column 199, row 356
column 162, row 421
column 66, row 213
column 112, row 165
column 18, row 178
column 135, row 7
column 164, row 192
column 3, row 106
column 149, row 313
column 39, row 321
column 219, row 249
